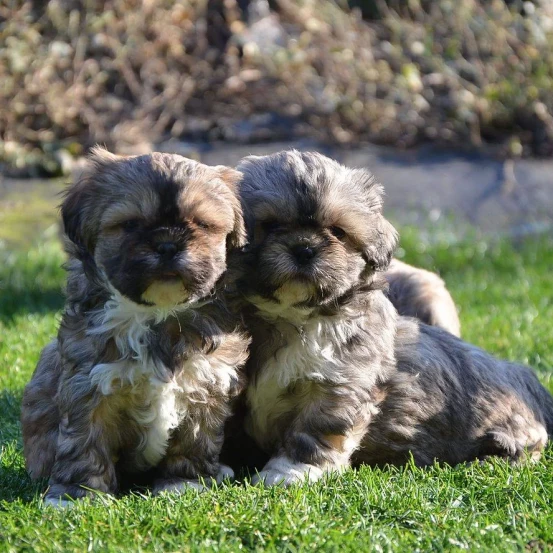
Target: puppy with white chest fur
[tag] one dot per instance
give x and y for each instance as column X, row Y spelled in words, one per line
column 148, row 357
column 336, row 376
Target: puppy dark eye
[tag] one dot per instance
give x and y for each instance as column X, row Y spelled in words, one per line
column 130, row 225
column 202, row 224
column 338, row 232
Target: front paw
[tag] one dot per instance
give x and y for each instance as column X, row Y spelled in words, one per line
column 58, row 502
column 275, row 478
column 224, row 473
column 180, row 485
column 282, row 471
column 65, row 496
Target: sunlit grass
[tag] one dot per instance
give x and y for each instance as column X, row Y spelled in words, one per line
column 505, row 297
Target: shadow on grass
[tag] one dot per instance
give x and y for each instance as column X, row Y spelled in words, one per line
column 15, row 483
column 10, row 407
column 31, row 281
column 35, row 300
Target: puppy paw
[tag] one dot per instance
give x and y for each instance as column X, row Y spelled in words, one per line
column 275, row 478
column 58, row 502
column 224, row 473
column 67, row 496
column 281, row 471
column 524, row 445
column 179, row 485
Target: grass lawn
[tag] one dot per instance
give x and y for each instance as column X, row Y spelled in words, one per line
column 505, row 295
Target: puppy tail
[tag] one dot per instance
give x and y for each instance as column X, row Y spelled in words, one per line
column 549, row 419
column 543, row 400
column 40, row 416
column 422, row 294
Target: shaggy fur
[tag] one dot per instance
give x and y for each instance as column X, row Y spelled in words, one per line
column 148, row 358
column 423, row 295
column 336, row 375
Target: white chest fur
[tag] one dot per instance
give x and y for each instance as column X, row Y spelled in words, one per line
column 310, row 354
column 146, row 392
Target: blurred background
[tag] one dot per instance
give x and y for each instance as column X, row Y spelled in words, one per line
column 131, row 74
column 448, row 101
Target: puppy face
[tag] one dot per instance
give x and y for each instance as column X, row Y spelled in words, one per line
column 317, row 230
column 156, row 227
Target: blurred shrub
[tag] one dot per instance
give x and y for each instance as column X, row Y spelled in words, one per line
column 118, row 72
column 129, row 73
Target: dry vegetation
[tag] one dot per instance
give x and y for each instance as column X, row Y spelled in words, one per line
column 131, row 73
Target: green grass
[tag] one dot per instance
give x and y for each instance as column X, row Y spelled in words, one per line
column 505, row 294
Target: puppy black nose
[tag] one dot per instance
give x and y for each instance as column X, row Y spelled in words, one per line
column 167, row 249
column 303, row 253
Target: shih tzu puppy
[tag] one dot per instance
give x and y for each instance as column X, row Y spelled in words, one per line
column 336, row 376
column 148, row 357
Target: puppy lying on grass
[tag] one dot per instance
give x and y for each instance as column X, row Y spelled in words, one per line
column 148, row 357
column 336, row 376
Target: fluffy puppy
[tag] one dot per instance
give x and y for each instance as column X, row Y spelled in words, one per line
column 148, row 357
column 336, row 376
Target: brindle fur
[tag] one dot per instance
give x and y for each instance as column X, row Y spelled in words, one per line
column 336, row 376
column 130, row 384
column 422, row 294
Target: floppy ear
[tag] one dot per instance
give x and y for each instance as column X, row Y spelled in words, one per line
column 80, row 208
column 232, row 178
column 382, row 245
column 73, row 213
column 76, row 212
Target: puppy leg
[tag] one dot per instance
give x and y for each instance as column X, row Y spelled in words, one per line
column 518, row 448
column 40, row 417
column 321, row 439
column 84, row 459
column 192, row 460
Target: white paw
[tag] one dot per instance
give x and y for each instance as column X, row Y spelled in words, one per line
column 224, row 473
column 179, row 486
column 58, row 503
column 275, row 478
column 281, row 471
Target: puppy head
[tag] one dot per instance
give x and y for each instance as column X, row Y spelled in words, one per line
column 156, row 227
column 317, row 230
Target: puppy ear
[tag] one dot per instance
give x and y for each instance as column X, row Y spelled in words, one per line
column 81, row 199
column 380, row 250
column 75, row 211
column 232, row 178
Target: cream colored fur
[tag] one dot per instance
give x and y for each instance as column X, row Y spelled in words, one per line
column 311, row 355
column 141, row 381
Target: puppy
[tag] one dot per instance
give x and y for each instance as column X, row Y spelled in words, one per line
column 148, row 358
column 336, row 376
